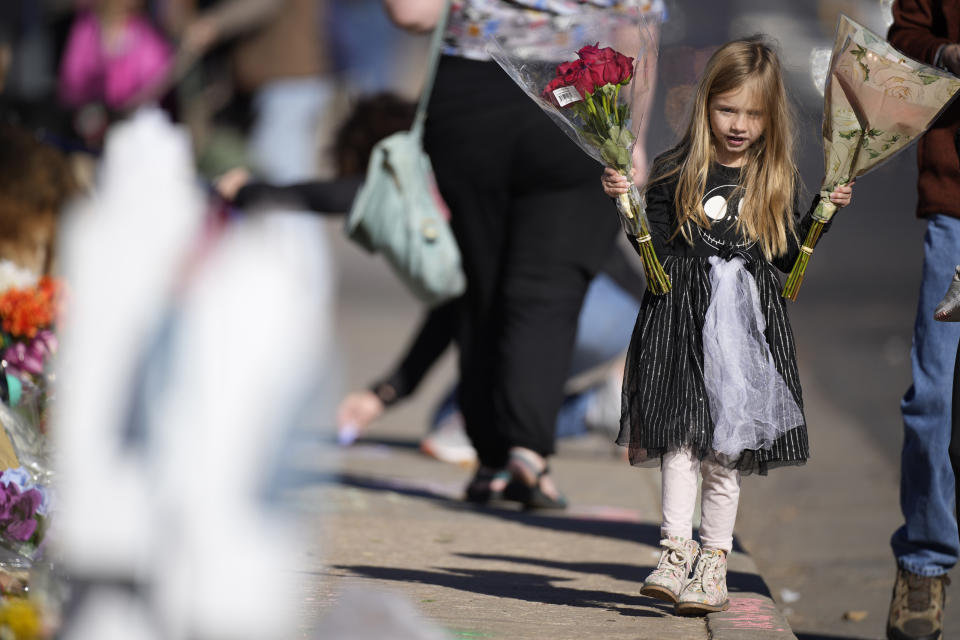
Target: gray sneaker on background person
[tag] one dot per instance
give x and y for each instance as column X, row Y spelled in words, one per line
column 949, row 308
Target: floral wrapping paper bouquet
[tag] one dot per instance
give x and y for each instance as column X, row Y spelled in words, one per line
column 876, row 102
column 30, row 308
column 597, row 98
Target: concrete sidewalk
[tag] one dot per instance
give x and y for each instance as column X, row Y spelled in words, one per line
column 393, row 520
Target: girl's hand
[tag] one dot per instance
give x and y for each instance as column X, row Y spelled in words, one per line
column 614, row 184
column 842, row 195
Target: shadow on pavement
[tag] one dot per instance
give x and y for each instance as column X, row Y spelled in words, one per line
column 613, row 525
column 394, row 443
column 529, row 587
column 736, row 581
column 820, row 636
column 609, row 524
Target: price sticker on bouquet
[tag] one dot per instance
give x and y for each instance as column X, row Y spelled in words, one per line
column 566, row 95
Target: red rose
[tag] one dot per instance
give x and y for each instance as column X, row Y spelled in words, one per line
column 590, row 53
column 606, row 66
column 576, row 74
column 571, row 74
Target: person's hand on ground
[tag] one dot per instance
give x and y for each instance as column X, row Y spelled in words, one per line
column 355, row 413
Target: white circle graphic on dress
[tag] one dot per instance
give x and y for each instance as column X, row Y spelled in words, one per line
column 715, row 207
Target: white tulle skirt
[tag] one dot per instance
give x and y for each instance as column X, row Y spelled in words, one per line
column 750, row 403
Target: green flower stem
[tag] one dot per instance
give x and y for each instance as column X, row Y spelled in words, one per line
column 658, row 282
column 795, row 279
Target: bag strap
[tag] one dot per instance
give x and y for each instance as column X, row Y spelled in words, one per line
column 433, row 58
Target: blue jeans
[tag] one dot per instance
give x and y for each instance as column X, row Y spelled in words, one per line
column 366, row 46
column 927, row 544
column 605, row 324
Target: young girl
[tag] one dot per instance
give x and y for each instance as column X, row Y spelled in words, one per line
column 711, row 378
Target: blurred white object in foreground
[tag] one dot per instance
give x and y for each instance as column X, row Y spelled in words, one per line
column 121, row 253
column 174, row 394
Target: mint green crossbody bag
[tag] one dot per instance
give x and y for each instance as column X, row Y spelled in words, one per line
column 399, row 213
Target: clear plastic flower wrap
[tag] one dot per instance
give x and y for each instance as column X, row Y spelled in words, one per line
column 591, row 73
column 876, row 101
column 24, row 423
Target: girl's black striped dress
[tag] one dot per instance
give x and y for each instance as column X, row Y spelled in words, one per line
column 665, row 404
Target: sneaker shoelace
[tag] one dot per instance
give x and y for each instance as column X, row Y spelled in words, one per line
column 675, row 558
column 920, row 591
column 705, row 570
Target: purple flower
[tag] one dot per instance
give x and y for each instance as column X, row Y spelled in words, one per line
column 18, row 511
column 18, row 476
column 23, row 357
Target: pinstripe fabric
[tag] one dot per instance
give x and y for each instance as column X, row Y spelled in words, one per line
column 665, row 405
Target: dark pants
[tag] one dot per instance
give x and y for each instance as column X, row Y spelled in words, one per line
column 534, row 226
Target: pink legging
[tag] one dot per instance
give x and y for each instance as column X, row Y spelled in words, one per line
column 720, row 495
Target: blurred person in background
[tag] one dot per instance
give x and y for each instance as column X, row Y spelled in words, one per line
column 281, row 58
column 36, row 181
column 369, row 51
column 927, row 545
column 525, row 215
column 373, row 118
column 32, row 33
column 603, row 330
column 114, row 60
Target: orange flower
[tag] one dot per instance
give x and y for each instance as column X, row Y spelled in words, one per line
column 24, row 312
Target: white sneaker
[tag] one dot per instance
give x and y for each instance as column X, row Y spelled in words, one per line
column 707, row 590
column 449, row 442
column 676, row 558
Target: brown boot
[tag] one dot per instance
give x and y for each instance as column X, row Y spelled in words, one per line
column 916, row 609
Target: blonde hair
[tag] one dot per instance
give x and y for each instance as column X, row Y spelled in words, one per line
column 769, row 174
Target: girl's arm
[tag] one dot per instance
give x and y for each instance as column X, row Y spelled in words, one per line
column 661, row 213
column 659, row 205
column 841, row 197
column 414, row 15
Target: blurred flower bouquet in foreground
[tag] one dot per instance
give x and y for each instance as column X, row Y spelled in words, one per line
column 29, row 311
column 598, row 98
column 23, row 512
column 876, row 102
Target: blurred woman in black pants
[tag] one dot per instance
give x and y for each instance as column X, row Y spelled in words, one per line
column 533, row 228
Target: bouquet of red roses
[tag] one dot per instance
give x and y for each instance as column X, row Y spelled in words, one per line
column 598, row 99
